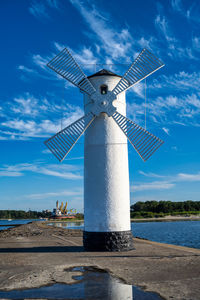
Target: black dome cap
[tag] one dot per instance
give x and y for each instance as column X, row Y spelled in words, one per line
column 104, row 72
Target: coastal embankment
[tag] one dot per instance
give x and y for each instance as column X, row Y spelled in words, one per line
column 36, row 254
column 168, row 218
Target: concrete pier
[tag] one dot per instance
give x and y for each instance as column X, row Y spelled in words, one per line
column 36, row 254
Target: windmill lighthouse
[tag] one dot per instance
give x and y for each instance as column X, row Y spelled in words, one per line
column 106, row 174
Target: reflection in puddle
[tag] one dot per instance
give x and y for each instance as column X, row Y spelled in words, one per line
column 92, row 284
column 68, row 225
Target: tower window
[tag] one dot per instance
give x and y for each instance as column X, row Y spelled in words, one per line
column 104, row 89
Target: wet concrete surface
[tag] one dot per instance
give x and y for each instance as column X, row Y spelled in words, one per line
column 36, row 255
column 91, row 283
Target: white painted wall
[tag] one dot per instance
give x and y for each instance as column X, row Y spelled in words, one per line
column 106, row 173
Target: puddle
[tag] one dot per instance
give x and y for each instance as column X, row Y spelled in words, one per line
column 93, row 284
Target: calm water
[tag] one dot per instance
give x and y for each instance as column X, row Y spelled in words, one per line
column 7, row 223
column 182, row 233
column 91, row 284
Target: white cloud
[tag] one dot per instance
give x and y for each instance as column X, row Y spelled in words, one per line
column 196, row 43
column 182, row 80
column 174, row 148
column 61, row 174
column 166, row 130
column 67, row 193
column 162, row 25
column 191, row 13
column 40, row 61
column 26, row 106
column 39, row 9
column 115, row 44
column 139, row 89
column 10, row 173
column 188, row 177
column 64, row 171
column 46, row 151
column 25, row 69
column 53, row 3
column 167, row 182
column 182, row 106
column 172, row 45
column 177, row 5
column 155, row 185
column 150, row 174
column 30, row 117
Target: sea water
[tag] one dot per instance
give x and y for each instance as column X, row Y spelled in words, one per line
column 181, row 233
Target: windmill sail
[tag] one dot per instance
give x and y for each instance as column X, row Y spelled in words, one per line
column 143, row 141
column 144, row 65
column 66, row 66
column 61, row 143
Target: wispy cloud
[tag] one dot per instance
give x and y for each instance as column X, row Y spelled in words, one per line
column 177, row 5
column 166, row 182
column 30, row 117
column 64, row 193
column 63, row 171
column 155, row 185
column 182, row 81
column 179, row 103
column 83, row 56
column 40, row 9
column 188, row 177
column 162, row 25
column 115, row 43
column 166, row 130
column 175, row 49
column 188, row 9
column 151, row 175
column 196, row 43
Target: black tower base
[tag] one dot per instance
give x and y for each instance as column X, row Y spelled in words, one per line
column 108, row 241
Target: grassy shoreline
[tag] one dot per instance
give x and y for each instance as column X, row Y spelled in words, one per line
column 165, row 218
column 168, row 218
column 142, row 219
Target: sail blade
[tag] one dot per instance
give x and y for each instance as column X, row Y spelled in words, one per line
column 62, row 142
column 143, row 66
column 65, row 65
column 144, row 142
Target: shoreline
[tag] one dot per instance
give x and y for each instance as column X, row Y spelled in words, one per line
column 166, row 218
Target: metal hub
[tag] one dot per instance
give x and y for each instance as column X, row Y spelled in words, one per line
column 103, row 103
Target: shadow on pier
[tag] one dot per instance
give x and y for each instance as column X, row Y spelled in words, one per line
column 48, row 249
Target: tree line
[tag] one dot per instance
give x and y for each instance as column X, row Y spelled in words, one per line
column 162, row 208
column 139, row 209
column 21, row 214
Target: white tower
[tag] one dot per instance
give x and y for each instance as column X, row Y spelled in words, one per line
column 106, row 176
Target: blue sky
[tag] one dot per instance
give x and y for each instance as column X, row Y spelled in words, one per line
column 35, row 102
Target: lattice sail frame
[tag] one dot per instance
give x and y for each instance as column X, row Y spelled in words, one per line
column 62, row 142
column 143, row 141
column 144, row 65
column 66, row 66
